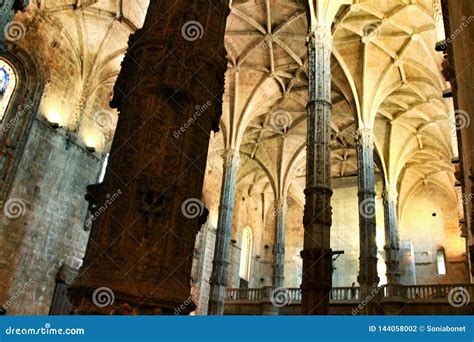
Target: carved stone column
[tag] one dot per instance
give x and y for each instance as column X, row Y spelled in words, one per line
column 9, row 30
column 368, row 279
column 220, row 263
column 279, row 244
column 392, row 248
column 169, row 95
column 316, row 254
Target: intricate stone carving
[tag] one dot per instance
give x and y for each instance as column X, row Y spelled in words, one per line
column 368, row 279
column 316, row 254
column 392, row 248
column 279, row 244
column 220, row 262
column 142, row 245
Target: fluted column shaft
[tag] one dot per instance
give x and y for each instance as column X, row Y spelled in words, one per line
column 220, row 263
column 169, row 94
column 392, row 244
column 368, row 279
column 279, row 243
column 316, row 254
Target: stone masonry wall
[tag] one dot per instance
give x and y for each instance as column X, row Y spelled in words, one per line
column 46, row 224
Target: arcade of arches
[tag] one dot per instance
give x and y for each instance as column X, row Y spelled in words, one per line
column 236, row 157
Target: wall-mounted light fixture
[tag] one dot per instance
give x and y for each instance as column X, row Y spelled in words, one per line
column 90, row 149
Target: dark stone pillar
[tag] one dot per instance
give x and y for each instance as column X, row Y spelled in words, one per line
column 9, row 30
column 148, row 211
column 220, row 263
column 368, row 279
column 392, row 248
column 279, row 244
column 316, row 254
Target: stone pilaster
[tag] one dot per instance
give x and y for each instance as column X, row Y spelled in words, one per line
column 279, row 243
column 392, row 248
column 169, row 95
column 220, row 262
column 9, row 30
column 368, row 279
column 316, row 254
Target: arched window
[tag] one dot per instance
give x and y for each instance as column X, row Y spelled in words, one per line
column 441, row 261
column 7, row 86
column 246, row 254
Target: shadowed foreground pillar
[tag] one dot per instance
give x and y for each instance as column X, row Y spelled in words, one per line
column 316, row 254
column 368, row 279
column 148, row 207
column 220, row 262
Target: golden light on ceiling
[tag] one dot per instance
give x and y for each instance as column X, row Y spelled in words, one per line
column 92, row 138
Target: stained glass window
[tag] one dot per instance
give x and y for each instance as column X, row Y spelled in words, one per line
column 7, row 86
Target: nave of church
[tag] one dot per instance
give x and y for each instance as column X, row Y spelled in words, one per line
column 242, row 157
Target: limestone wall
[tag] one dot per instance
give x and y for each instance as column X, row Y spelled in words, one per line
column 46, row 225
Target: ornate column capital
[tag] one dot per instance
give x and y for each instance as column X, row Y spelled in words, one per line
column 321, row 35
column 281, row 203
column 231, row 157
column 390, row 193
column 365, row 137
